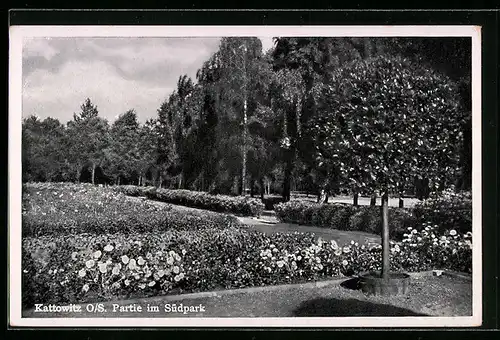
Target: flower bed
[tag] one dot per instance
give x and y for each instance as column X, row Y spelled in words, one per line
column 63, row 208
column 78, row 257
column 84, row 267
column 245, row 206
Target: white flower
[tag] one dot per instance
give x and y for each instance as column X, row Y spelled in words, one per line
column 97, row 254
column 90, row 263
column 74, row 255
column 151, row 283
column 109, row 248
column 132, row 264
column 102, row 268
column 82, row 273
column 125, row 259
column 345, row 263
column 280, row 263
column 85, row 288
column 453, row 232
column 140, row 261
column 170, row 260
column 176, row 270
column 126, row 282
column 116, row 270
column 161, row 273
column 333, row 244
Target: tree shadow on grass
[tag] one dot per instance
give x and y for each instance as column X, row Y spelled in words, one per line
column 350, row 307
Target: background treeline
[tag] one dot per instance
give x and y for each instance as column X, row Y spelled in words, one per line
column 248, row 115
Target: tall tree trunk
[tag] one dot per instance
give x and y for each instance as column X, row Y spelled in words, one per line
column 118, row 180
column 373, row 200
column 93, row 173
column 262, row 188
column 287, row 180
column 252, row 187
column 78, row 174
column 244, row 149
column 385, row 237
column 355, row 199
column 160, row 181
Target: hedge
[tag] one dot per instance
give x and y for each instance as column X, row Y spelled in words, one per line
column 245, row 206
column 447, row 211
column 344, row 216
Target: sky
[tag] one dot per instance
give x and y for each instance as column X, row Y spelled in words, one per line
column 117, row 74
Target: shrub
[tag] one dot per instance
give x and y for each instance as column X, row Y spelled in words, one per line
column 449, row 210
column 369, row 219
column 245, row 206
column 133, row 190
column 56, row 209
column 345, row 217
column 271, row 202
column 85, row 268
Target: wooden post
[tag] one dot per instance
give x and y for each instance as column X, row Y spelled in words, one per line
column 385, row 237
column 373, row 200
column 355, row 199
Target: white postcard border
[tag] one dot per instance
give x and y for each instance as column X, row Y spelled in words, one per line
column 18, row 33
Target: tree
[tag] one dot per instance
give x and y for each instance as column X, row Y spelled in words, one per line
column 88, row 139
column 123, row 151
column 237, row 56
column 386, row 120
column 44, row 156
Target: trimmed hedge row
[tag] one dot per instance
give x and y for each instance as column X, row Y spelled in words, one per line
column 245, row 206
column 343, row 216
column 86, row 268
column 447, row 211
column 68, row 209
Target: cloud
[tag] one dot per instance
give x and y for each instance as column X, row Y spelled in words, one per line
column 117, row 74
column 60, row 94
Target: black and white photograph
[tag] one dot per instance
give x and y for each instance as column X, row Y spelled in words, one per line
column 242, row 176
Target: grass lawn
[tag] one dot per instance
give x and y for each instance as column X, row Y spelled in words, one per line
column 427, row 296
